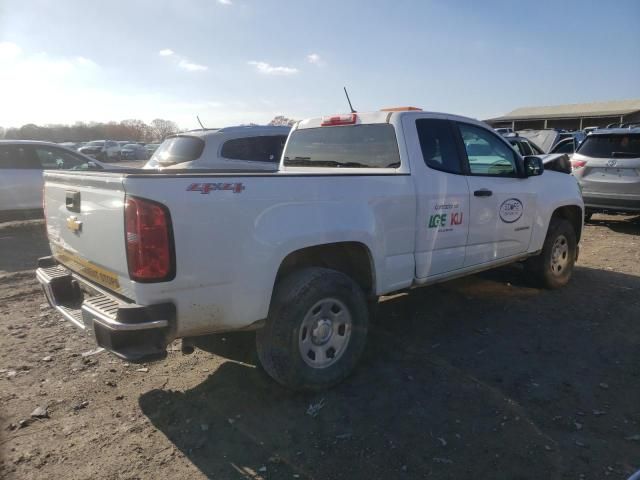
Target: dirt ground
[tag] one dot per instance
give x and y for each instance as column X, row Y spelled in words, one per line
column 483, row 378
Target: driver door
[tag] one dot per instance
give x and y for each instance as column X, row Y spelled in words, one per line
column 502, row 203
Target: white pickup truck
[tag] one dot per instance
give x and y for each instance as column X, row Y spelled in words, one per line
column 363, row 205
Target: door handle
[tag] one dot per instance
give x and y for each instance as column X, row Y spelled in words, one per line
column 483, row 193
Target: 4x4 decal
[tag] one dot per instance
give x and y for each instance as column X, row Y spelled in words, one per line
column 205, row 188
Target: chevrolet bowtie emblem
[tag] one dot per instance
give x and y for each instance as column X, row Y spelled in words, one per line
column 74, row 224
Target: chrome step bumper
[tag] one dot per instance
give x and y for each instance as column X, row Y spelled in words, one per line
column 130, row 331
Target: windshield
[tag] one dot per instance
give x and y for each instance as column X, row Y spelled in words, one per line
column 96, row 143
column 615, row 145
column 131, row 146
column 359, row 146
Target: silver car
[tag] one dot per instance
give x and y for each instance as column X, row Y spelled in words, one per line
column 607, row 166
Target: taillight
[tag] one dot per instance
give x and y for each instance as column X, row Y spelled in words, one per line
column 149, row 241
column 575, row 164
column 349, row 119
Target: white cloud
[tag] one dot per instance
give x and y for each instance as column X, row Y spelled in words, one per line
column 183, row 62
column 267, row 69
column 224, row 2
column 9, row 50
column 192, row 67
column 86, row 62
column 314, row 58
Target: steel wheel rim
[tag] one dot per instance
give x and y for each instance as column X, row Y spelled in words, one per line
column 325, row 333
column 559, row 255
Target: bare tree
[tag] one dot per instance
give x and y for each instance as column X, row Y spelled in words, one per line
column 281, row 120
column 163, row 128
column 137, row 129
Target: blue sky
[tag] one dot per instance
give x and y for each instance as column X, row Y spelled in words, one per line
column 240, row 61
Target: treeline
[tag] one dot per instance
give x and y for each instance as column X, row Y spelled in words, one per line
column 134, row 130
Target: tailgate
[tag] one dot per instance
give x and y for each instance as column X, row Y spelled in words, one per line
column 85, row 224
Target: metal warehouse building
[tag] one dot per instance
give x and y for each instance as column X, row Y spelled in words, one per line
column 571, row 117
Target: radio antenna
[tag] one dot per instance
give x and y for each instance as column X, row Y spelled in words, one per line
column 349, row 100
column 200, row 122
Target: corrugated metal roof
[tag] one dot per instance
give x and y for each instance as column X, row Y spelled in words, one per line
column 596, row 109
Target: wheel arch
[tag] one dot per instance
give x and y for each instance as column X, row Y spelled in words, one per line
column 572, row 213
column 351, row 258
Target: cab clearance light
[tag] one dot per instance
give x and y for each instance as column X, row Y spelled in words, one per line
column 401, row 109
column 348, row 119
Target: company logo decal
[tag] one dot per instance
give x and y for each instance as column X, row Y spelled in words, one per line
column 447, row 216
column 612, row 163
column 206, row 188
column 511, row 210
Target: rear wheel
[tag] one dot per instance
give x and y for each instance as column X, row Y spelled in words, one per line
column 316, row 330
column 553, row 267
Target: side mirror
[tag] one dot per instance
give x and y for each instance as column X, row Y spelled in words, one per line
column 533, row 166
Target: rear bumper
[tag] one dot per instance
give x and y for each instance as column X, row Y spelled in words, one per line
column 132, row 332
column 612, row 202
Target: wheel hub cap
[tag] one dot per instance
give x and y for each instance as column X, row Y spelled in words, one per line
column 325, row 332
column 559, row 255
column 322, row 333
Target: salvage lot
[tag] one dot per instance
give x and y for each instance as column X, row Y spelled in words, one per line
column 482, row 377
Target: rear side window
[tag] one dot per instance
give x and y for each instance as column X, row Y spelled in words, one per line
column 266, row 148
column 178, row 149
column 438, row 145
column 616, row 146
column 17, row 157
column 357, row 146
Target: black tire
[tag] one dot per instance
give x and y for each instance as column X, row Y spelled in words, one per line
column 278, row 342
column 542, row 268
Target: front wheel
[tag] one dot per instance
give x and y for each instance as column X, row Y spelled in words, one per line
column 553, row 267
column 316, row 330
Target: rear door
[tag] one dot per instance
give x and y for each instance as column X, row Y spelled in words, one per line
column 442, row 193
column 502, row 204
column 20, row 178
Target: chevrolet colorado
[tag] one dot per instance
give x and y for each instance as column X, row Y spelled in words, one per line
column 363, row 205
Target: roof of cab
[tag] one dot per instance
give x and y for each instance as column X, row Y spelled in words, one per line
column 381, row 116
column 240, row 129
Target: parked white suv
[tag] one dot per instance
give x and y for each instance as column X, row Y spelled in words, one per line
column 103, row 150
column 363, row 205
column 233, row 148
column 21, row 166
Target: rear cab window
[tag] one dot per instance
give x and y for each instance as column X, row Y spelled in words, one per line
column 178, row 149
column 354, row 146
column 611, row 146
